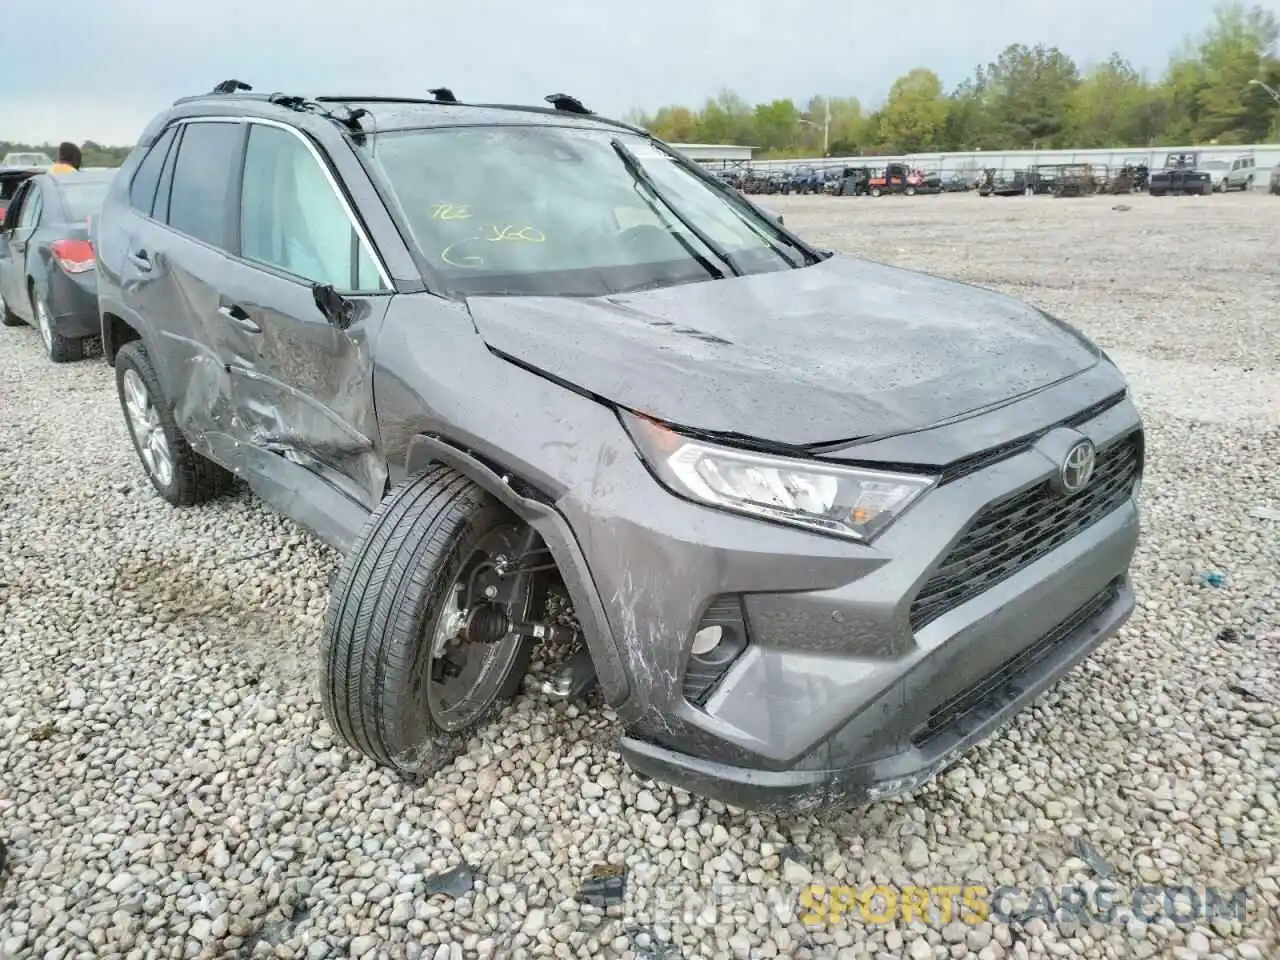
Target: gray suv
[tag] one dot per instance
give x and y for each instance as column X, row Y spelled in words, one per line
column 810, row 524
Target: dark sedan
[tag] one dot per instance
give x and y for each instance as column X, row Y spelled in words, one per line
column 48, row 269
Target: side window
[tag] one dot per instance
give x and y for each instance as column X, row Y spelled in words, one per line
column 200, row 200
column 142, row 191
column 292, row 219
column 21, row 197
column 31, row 208
column 160, row 209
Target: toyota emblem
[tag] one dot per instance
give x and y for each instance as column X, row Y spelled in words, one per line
column 1077, row 467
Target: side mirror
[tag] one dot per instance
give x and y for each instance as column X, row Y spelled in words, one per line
column 337, row 309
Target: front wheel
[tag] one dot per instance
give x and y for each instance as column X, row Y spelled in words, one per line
column 421, row 639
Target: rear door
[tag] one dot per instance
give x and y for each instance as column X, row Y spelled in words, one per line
column 177, row 264
column 20, row 223
column 302, row 386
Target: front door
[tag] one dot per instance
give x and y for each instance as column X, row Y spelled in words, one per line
column 302, row 386
column 20, row 223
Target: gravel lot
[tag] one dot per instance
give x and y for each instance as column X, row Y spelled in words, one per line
column 168, row 789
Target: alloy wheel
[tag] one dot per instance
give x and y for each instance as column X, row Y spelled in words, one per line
column 144, row 421
column 45, row 324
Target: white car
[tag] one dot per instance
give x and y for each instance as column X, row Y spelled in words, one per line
column 1227, row 175
column 26, row 160
column 1240, row 177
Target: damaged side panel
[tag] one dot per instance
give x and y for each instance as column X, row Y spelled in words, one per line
column 274, row 390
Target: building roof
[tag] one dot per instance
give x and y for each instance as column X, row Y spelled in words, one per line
column 714, row 151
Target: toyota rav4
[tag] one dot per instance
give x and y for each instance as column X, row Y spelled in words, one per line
column 819, row 523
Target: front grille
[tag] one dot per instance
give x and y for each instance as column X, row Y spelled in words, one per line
column 1019, row 529
column 988, row 690
column 978, row 461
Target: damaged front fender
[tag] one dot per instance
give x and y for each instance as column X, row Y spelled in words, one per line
column 560, row 541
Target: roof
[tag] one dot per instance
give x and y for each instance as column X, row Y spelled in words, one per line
column 407, row 113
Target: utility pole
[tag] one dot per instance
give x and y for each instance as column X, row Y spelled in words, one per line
column 825, row 126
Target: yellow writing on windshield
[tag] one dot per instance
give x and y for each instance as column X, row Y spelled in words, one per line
column 451, row 256
column 451, row 211
column 491, row 233
column 515, row 234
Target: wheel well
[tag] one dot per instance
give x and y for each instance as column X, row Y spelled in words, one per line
column 115, row 334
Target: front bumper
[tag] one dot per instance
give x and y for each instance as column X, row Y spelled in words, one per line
column 979, row 712
column 837, row 699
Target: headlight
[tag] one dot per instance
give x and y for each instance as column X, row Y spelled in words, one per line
column 844, row 501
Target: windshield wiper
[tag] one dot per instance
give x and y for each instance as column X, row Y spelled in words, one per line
column 641, row 176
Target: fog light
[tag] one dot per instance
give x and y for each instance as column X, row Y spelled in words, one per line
column 721, row 636
column 706, row 640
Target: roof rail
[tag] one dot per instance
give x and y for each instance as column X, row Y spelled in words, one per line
column 567, row 104
column 350, row 118
column 562, row 103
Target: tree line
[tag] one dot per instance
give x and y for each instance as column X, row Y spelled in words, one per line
column 1029, row 97
column 91, row 154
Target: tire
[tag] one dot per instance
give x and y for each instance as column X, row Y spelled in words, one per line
column 378, row 679
column 909, row 191
column 875, row 191
column 191, row 478
column 57, row 348
column 8, row 318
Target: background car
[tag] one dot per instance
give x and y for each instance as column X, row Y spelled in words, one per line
column 48, row 270
column 1274, row 183
column 41, row 161
column 1241, row 174
column 1217, row 171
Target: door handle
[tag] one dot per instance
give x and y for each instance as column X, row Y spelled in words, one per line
column 141, row 261
column 241, row 319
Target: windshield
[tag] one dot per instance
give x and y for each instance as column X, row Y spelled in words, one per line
column 559, row 211
column 83, row 200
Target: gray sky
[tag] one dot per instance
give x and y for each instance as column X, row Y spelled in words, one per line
column 120, row 61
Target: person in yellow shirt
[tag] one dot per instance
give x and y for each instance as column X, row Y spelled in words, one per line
column 68, row 158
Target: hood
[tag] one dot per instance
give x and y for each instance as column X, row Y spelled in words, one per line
column 841, row 350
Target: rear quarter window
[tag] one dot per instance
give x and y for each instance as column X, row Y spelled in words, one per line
column 142, row 192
